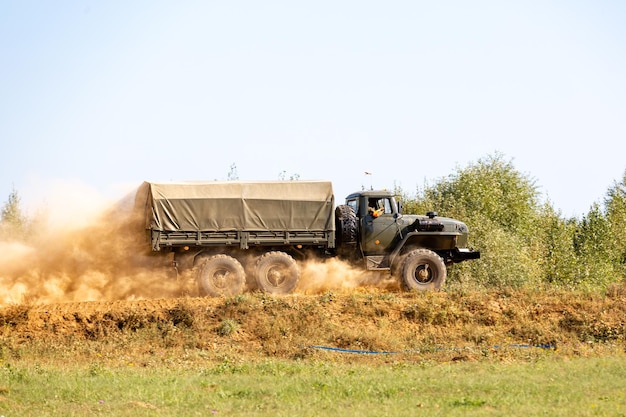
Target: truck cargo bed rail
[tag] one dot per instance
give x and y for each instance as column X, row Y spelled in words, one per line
column 242, row 239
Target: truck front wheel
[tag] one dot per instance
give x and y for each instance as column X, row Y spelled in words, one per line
column 422, row 270
column 221, row 275
column 277, row 273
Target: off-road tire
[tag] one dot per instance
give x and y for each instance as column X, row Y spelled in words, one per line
column 276, row 273
column 220, row 276
column 422, row 270
column 347, row 227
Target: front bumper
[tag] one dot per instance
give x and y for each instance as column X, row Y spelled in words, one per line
column 464, row 254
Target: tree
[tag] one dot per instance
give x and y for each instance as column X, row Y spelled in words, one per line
column 13, row 221
column 615, row 205
column 593, row 245
column 232, row 173
column 282, row 176
column 491, row 188
column 555, row 248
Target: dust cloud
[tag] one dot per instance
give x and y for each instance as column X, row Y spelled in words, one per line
column 95, row 255
column 334, row 274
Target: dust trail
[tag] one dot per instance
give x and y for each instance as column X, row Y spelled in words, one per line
column 104, row 260
column 319, row 276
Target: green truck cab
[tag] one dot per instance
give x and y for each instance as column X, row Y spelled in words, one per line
column 416, row 249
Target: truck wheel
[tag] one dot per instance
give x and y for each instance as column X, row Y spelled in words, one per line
column 347, row 226
column 277, row 273
column 221, row 275
column 422, row 270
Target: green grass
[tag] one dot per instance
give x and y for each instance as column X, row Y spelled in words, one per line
column 390, row 386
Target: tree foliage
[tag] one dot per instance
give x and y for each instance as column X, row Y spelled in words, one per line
column 13, row 221
column 555, row 236
column 283, row 176
column 233, row 175
column 615, row 204
column 524, row 241
column 488, row 189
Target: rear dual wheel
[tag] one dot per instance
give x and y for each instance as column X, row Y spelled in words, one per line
column 221, row 275
column 276, row 273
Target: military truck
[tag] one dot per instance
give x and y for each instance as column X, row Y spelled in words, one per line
column 234, row 235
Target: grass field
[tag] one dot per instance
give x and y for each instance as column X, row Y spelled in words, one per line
column 549, row 385
column 521, row 353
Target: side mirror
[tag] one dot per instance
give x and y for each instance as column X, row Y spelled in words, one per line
column 399, row 207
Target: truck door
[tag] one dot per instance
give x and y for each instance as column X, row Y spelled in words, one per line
column 378, row 226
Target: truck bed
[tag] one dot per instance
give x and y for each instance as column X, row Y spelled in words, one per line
column 238, row 213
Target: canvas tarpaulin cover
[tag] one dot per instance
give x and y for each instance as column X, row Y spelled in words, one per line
column 235, row 205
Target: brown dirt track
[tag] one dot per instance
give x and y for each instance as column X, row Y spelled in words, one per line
column 440, row 326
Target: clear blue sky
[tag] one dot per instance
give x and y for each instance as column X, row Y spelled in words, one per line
column 117, row 92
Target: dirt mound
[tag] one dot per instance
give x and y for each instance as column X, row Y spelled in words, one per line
column 367, row 320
